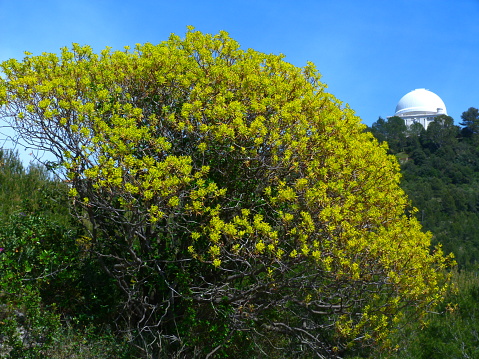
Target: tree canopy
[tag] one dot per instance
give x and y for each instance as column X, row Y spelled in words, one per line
column 237, row 204
column 470, row 121
column 441, row 176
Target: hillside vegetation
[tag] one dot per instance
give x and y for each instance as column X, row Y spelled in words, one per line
column 211, row 202
column 440, row 174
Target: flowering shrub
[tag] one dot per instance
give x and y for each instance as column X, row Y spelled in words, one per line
column 235, row 202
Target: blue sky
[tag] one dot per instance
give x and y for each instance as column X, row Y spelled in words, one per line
column 370, row 52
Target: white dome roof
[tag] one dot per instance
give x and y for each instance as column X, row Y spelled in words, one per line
column 420, row 101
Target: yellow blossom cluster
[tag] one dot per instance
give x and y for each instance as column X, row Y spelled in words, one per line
column 243, row 160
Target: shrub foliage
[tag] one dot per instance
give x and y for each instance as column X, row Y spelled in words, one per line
column 236, row 203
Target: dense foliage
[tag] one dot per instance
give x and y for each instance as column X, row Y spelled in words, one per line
column 52, row 296
column 451, row 331
column 239, row 207
column 440, row 168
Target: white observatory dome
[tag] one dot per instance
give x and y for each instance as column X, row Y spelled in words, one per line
column 420, row 102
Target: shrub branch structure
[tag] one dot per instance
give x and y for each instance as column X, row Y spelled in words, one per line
column 238, row 205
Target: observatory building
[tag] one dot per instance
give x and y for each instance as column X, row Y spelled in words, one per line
column 420, row 106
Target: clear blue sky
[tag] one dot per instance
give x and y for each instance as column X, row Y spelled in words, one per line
column 370, row 52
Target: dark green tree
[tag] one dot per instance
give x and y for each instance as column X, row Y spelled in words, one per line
column 440, row 133
column 50, row 288
column 470, row 121
column 415, row 130
column 393, row 131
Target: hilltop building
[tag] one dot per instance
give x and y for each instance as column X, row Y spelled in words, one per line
column 421, row 106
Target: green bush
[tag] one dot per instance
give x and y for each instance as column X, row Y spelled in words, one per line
column 29, row 263
column 54, row 299
column 452, row 331
column 53, row 302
